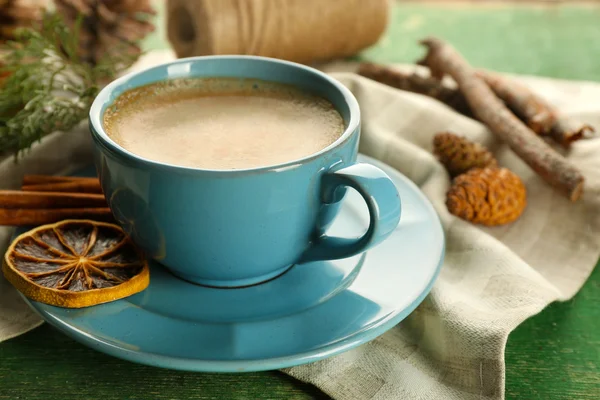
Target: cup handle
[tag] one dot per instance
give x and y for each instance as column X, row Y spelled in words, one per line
column 383, row 203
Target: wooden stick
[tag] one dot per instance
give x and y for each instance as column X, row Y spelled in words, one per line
column 412, row 82
column 28, row 216
column 81, row 185
column 443, row 59
column 568, row 130
column 19, row 199
column 541, row 117
column 535, row 112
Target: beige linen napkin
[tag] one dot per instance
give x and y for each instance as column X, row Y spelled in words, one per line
column 452, row 346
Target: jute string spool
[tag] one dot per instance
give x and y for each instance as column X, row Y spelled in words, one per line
column 303, row 31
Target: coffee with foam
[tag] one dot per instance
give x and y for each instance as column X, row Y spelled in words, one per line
column 222, row 123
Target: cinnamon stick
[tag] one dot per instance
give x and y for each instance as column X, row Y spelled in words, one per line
column 443, row 59
column 33, row 179
column 413, row 82
column 81, row 185
column 29, row 216
column 541, row 117
column 20, row 199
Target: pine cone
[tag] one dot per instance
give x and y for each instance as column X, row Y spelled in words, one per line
column 108, row 26
column 488, row 196
column 460, row 155
column 18, row 14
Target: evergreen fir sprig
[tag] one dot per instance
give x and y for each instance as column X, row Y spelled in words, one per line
column 49, row 87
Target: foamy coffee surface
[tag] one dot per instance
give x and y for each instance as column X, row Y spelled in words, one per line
column 222, row 123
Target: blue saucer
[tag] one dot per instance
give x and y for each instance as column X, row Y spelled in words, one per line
column 312, row 311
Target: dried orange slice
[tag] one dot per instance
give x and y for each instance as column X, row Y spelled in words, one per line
column 76, row 263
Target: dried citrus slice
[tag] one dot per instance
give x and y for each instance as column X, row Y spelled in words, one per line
column 76, row 263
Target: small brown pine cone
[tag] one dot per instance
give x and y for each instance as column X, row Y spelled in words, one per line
column 460, row 155
column 16, row 14
column 108, row 26
column 487, row 196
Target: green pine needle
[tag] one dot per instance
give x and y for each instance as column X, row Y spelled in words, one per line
column 49, row 87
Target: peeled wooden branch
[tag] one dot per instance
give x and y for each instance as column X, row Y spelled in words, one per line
column 539, row 115
column 413, row 82
column 443, row 59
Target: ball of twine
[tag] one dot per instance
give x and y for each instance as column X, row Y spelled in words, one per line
column 303, row 31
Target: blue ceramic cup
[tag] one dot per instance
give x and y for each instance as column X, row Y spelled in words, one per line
column 231, row 228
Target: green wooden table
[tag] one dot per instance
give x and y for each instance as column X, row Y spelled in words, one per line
column 554, row 355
